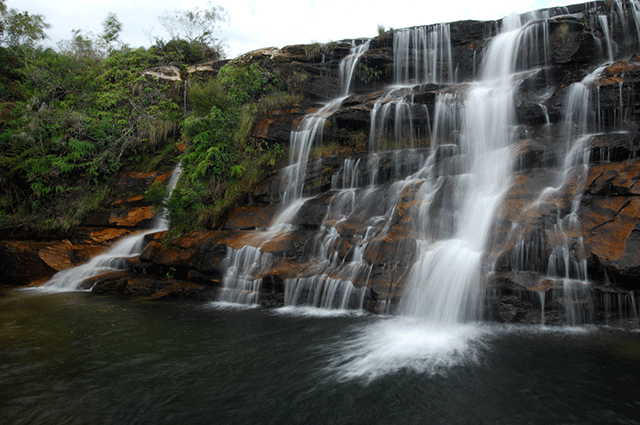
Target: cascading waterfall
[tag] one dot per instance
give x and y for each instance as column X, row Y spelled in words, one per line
column 557, row 253
column 301, row 142
column 486, row 121
column 392, row 122
column 348, row 66
column 423, row 54
column 624, row 12
column 113, row 259
column 443, row 286
column 240, row 286
column 310, row 131
column 604, row 24
column 243, row 279
column 447, row 171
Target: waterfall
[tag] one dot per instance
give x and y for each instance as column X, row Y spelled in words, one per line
column 301, row 141
column 239, row 284
column 604, row 24
column 444, row 284
column 115, row 257
column 242, row 280
column 565, row 262
column 434, row 180
column 310, row 131
column 423, row 54
column 348, row 66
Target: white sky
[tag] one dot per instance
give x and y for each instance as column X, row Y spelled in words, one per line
column 265, row 23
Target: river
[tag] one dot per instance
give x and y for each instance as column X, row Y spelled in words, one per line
column 78, row 358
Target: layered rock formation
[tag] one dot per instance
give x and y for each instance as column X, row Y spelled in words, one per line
column 380, row 189
column 33, row 259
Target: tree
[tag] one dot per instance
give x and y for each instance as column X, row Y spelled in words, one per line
column 79, row 45
column 197, row 26
column 97, row 47
column 20, row 28
column 111, row 28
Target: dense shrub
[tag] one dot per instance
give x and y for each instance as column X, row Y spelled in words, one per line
column 72, row 122
column 222, row 160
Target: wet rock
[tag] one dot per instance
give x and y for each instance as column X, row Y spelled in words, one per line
column 570, row 42
column 249, row 217
column 612, row 228
column 272, row 292
column 613, row 147
column 312, row 212
column 124, row 283
column 21, row 263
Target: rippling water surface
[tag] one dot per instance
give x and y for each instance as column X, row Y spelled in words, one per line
column 75, row 358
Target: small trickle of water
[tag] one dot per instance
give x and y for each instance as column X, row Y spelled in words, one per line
column 324, row 292
column 565, row 262
column 348, row 66
column 115, row 258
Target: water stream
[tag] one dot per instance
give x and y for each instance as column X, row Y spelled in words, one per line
column 114, row 258
column 245, row 267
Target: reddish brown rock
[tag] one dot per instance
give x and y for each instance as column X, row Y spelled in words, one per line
column 278, row 124
column 613, row 236
column 250, row 217
column 148, row 287
column 21, row 263
column 132, row 218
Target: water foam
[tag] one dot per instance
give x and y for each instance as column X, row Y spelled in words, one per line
column 306, row 311
column 403, row 343
column 226, row 305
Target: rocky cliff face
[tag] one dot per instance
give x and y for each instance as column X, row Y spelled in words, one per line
column 390, row 169
column 32, row 259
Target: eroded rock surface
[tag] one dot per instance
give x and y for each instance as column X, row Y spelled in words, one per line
column 559, row 223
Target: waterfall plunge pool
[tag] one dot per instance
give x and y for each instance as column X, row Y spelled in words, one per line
column 77, row 358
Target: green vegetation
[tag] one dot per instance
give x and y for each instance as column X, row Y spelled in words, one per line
column 367, row 74
column 71, row 118
column 222, row 160
column 192, row 34
column 70, row 121
column 20, row 29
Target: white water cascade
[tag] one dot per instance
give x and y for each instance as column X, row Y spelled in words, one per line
column 243, row 277
column 310, row 131
column 423, row 55
column 114, row 258
column 444, row 285
column 434, row 180
column 566, row 261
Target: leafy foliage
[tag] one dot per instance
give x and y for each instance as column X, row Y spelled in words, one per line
column 197, row 27
column 111, row 28
column 222, row 160
column 180, row 52
column 71, row 119
column 72, row 122
column 19, row 29
column 367, row 74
